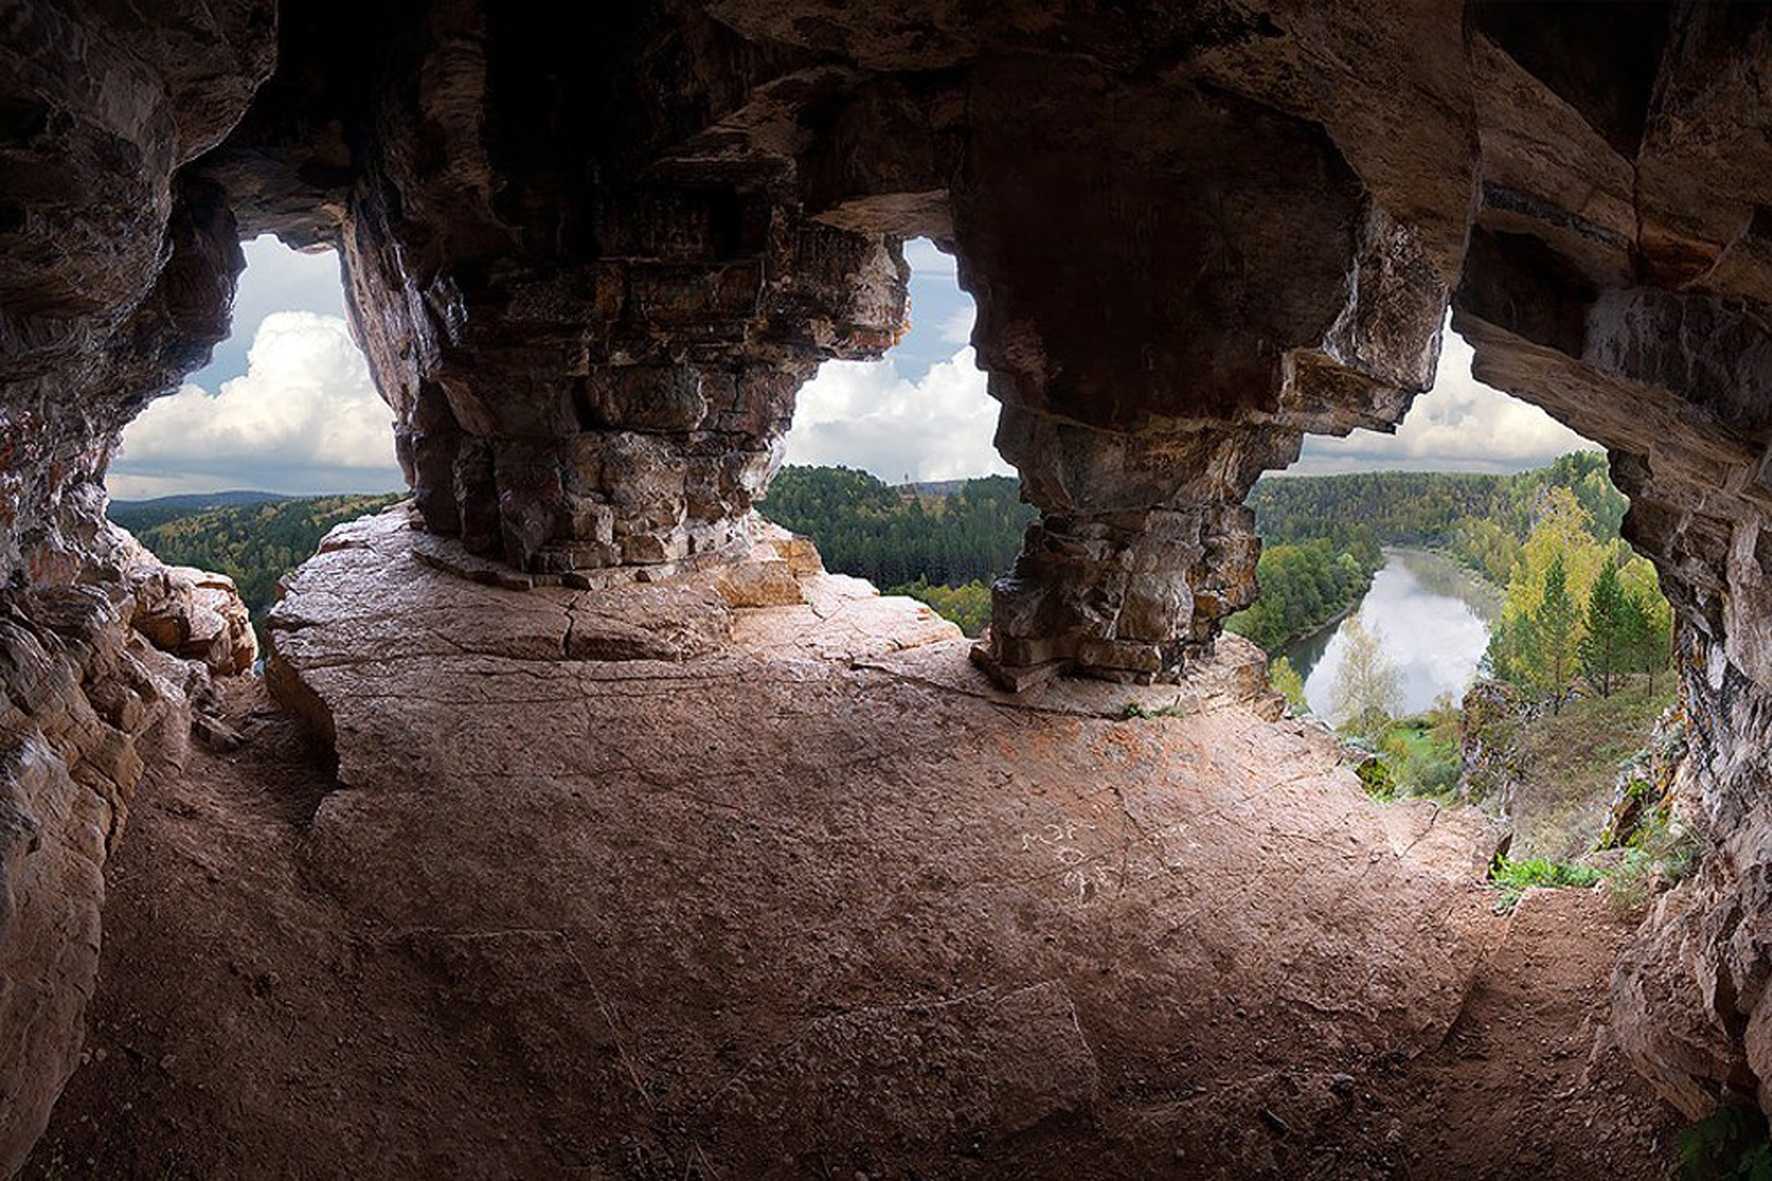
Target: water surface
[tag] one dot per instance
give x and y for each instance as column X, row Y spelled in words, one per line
column 1431, row 617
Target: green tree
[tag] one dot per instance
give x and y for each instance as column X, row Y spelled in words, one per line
column 968, row 605
column 1285, row 681
column 1510, row 641
column 1554, row 635
column 1646, row 635
column 1604, row 650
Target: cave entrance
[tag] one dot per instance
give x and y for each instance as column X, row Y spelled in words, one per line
column 1457, row 596
column 891, row 468
column 279, row 437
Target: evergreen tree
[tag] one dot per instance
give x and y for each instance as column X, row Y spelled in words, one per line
column 1604, row 649
column 1508, row 657
column 1555, row 626
column 1646, row 635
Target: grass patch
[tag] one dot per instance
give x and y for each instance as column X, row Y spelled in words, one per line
column 1568, row 762
column 1558, row 770
column 1511, row 879
column 1414, row 756
column 1659, row 849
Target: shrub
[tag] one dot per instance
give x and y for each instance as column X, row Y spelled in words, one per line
column 1659, row 848
column 1375, row 777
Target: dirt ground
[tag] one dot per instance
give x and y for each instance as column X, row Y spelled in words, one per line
column 216, row 950
column 1527, row 1083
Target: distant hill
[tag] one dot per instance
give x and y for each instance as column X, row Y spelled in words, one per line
column 939, row 487
column 970, row 530
column 1425, row 508
column 253, row 537
column 136, row 515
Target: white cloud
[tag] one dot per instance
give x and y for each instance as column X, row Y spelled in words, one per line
column 864, row 414
column 1458, row 425
column 276, row 279
column 304, row 418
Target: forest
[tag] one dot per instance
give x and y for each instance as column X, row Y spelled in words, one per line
column 1428, row 508
column 1322, row 534
column 897, row 535
column 1305, row 585
column 944, row 544
column 252, row 543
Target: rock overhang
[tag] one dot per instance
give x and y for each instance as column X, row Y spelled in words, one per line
column 590, row 294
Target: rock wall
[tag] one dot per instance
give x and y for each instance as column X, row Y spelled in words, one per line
column 90, row 710
column 591, row 259
column 1616, row 277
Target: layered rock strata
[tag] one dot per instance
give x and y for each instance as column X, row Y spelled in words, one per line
column 592, row 258
column 90, row 711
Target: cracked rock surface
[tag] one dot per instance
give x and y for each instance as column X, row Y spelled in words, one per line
column 791, row 888
column 591, row 259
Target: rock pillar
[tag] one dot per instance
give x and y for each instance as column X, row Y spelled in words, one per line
column 1170, row 292
column 1142, row 547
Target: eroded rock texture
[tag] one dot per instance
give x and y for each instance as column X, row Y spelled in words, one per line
column 1617, row 277
column 794, row 888
column 592, row 257
column 90, row 709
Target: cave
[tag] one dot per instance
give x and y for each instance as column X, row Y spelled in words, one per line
column 646, row 847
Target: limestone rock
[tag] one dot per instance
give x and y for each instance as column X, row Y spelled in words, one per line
column 591, row 259
column 837, row 893
column 86, row 716
column 193, row 613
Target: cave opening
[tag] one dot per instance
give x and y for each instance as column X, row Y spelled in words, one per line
column 891, row 466
column 285, row 404
column 281, row 435
column 1462, row 583
column 645, row 830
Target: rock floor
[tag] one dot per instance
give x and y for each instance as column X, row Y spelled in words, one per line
column 791, row 892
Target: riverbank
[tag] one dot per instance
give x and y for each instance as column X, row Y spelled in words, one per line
column 1431, row 617
column 1305, row 587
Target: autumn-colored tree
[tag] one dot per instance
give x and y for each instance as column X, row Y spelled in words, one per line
column 1366, row 693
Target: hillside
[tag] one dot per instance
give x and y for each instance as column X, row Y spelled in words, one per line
column 136, row 515
column 1321, row 535
column 1415, row 508
column 253, row 543
column 892, row 535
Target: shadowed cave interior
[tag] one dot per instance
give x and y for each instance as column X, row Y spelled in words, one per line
column 588, row 824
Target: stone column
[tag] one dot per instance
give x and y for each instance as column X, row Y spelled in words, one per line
column 603, row 376
column 1170, row 292
column 1143, row 546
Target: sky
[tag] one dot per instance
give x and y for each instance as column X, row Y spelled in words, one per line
column 286, row 403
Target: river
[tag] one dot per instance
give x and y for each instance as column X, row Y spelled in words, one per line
column 1432, row 619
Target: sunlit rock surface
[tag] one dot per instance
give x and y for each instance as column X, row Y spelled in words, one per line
column 763, row 886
